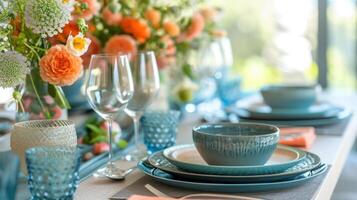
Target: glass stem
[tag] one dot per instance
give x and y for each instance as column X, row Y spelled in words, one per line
column 136, row 121
column 110, row 137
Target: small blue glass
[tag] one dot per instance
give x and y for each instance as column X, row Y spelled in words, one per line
column 160, row 128
column 53, row 172
column 228, row 90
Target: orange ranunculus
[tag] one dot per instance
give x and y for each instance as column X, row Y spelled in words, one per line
column 195, row 28
column 138, row 28
column 172, row 28
column 69, row 29
column 94, row 48
column 16, row 25
column 121, row 44
column 92, row 9
column 111, row 18
column 60, row 67
column 154, row 17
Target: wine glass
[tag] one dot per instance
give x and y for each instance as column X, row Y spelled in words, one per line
column 146, row 87
column 109, row 87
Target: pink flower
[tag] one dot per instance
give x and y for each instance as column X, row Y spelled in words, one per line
column 111, row 18
column 92, row 9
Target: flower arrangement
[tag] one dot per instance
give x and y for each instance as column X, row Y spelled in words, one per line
column 39, row 50
column 170, row 28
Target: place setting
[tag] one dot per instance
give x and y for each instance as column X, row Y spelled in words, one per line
column 291, row 105
column 231, row 158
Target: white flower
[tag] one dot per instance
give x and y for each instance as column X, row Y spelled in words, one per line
column 78, row 45
column 13, row 69
column 46, row 17
column 69, row 4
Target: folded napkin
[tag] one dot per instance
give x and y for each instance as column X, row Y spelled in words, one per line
column 141, row 197
column 297, row 136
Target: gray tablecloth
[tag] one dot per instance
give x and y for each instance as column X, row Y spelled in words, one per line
column 305, row 191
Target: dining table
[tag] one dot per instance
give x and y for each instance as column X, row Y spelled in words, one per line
column 333, row 145
column 333, row 148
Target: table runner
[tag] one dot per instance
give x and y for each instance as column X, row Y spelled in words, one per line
column 302, row 192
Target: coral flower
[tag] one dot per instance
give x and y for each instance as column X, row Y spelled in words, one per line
column 121, row 44
column 171, row 28
column 138, row 28
column 92, row 9
column 209, row 13
column 70, row 28
column 111, row 18
column 154, row 17
column 94, row 48
column 195, row 28
column 60, row 67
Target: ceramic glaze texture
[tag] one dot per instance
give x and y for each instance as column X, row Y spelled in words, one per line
column 242, row 144
column 289, row 97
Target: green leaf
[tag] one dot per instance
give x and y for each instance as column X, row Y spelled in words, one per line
column 187, row 70
column 98, row 139
column 95, row 129
column 58, row 95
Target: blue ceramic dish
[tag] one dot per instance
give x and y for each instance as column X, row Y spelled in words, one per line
column 342, row 115
column 311, row 161
column 235, row 144
column 187, row 158
column 289, row 97
column 169, row 179
column 260, row 111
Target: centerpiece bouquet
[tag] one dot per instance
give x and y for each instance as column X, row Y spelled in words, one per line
column 38, row 54
column 172, row 29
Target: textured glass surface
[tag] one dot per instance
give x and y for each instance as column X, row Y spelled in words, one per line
column 160, row 129
column 52, row 172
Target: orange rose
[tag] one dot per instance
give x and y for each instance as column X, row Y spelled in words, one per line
column 111, row 18
column 171, row 28
column 121, row 44
column 60, row 67
column 154, row 17
column 138, row 28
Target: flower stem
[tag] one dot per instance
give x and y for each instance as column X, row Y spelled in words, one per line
column 47, row 114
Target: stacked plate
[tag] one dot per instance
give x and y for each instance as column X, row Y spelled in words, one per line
column 321, row 113
column 182, row 166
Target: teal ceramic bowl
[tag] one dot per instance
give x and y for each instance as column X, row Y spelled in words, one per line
column 289, row 97
column 235, row 144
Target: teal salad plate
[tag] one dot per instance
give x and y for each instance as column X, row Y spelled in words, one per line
column 344, row 114
column 310, row 162
column 186, row 157
column 169, row 179
column 262, row 111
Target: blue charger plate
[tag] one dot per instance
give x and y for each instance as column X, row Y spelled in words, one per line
column 169, row 179
column 194, row 163
column 344, row 114
column 262, row 111
column 310, row 162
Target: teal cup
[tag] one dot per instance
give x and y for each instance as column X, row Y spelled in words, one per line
column 235, row 144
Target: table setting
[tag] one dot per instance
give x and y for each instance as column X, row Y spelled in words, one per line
column 157, row 112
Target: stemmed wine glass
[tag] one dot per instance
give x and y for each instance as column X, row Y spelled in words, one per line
column 109, row 87
column 146, row 87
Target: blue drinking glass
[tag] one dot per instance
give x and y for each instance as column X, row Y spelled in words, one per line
column 228, row 89
column 53, row 172
column 160, row 128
